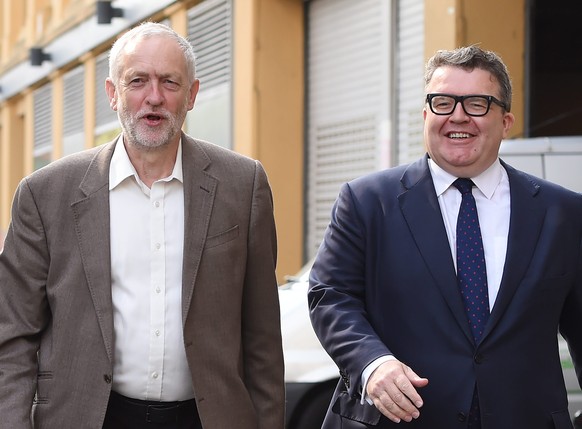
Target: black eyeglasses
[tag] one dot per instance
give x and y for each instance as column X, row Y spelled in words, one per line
column 473, row 105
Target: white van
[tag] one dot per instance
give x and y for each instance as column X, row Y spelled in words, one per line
column 558, row 159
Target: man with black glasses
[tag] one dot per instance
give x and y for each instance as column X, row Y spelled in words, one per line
column 440, row 286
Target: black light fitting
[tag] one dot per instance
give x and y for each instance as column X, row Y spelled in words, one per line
column 106, row 12
column 37, row 56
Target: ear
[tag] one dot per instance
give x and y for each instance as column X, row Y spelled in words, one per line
column 111, row 93
column 508, row 120
column 193, row 92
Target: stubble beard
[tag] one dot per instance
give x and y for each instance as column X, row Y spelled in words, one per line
column 145, row 138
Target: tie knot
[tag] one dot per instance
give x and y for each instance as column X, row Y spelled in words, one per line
column 464, row 185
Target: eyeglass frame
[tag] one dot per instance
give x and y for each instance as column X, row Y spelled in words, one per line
column 461, row 99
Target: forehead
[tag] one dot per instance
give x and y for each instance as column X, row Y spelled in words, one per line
column 459, row 81
column 157, row 54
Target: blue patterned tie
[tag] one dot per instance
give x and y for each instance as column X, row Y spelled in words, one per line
column 472, row 275
column 471, row 272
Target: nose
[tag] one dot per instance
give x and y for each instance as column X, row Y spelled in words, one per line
column 459, row 114
column 154, row 95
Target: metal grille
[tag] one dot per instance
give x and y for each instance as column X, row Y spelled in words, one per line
column 209, row 31
column 43, row 127
column 74, row 101
column 104, row 115
column 342, row 151
column 348, row 81
column 410, row 80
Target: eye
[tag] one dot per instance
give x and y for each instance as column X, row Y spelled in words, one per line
column 477, row 103
column 136, row 82
column 442, row 102
column 170, row 84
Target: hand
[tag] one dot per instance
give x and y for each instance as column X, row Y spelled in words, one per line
column 392, row 388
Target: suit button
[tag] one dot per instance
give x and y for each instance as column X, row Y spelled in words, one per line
column 479, row 358
column 462, row 417
column 345, row 379
column 107, row 378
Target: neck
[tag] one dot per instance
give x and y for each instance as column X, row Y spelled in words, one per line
column 152, row 164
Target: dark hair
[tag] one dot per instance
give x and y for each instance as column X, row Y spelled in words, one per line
column 469, row 58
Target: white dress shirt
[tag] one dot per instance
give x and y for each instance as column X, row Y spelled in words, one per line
column 493, row 200
column 147, row 240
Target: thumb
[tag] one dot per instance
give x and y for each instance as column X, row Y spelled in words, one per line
column 414, row 378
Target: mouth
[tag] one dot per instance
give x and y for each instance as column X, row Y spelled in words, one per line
column 455, row 135
column 153, row 118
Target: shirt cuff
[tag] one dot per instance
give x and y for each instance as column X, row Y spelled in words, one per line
column 367, row 372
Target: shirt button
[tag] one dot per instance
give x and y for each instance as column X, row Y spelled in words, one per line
column 155, row 375
column 157, row 204
column 157, row 332
column 158, row 290
column 158, row 245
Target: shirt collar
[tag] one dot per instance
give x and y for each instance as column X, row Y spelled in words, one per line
column 487, row 181
column 121, row 167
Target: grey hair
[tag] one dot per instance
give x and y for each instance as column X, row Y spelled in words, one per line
column 144, row 31
column 469, row 58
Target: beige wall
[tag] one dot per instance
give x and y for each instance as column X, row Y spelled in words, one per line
column 268, row 109
column 268, row 85
column 12, row 154
column 267, row 94
column 497, row 25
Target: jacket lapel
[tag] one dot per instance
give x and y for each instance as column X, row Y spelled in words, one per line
column 199, row 193
column 91, row 214
column 422, row 213
column 525, row 224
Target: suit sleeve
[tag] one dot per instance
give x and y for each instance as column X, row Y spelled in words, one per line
column 24, row 310
column 337, row 294
column 263, row 354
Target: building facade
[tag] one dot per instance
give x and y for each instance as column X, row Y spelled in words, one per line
column 320, row 91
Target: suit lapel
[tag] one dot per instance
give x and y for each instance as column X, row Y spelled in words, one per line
column 525, row 224
column 422, row 213
column 91, row 214
column 199, row 193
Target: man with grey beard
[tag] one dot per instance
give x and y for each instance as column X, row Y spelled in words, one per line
column 138, row 277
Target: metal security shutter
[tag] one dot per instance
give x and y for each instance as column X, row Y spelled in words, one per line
column 410, row 80
column 209, row 31
column 43, row 125
column 348, row 101
column 73, row 110
column 105, row 116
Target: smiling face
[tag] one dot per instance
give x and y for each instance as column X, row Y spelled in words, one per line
column 460, row 144
column 153, row 93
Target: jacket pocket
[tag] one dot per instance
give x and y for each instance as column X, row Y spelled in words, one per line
column 221, row 238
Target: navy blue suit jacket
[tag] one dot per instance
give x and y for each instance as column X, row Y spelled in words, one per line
column 384, row 283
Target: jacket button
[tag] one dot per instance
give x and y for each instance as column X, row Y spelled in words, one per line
column 479, row 358
column 107, row 378
column 462, row 417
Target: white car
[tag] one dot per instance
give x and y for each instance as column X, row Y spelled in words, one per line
column 311, row 375
column 574, row 392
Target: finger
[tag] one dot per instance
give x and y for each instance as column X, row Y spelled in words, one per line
column 396, row 407
column 394, row 393
column 408, row 384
